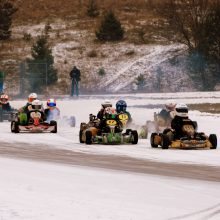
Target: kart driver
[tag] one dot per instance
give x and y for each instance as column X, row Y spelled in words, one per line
column 181, row 119
column 104, row 105
column 31, row 98
column 121, row 106
column 52, row 112
column 168, row 113
column 4, row 103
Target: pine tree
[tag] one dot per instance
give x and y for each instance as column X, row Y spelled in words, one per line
column 7, row 9
column 92, row 9
column 40, row 69
column 110, row 28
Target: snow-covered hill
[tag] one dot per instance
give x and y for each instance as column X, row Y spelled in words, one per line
column 162, row 66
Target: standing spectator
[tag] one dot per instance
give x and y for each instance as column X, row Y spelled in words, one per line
column 1, row 81
column 75, row 77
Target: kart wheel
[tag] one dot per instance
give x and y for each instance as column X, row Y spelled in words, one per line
column 135, row 137
column 54, row 123
column 88, row 137
column 128, row 131
column 165, row 142
column 80, row 136
column 213, row 140
column 1, row 115
column 14, row 127
column 152, row 140
column 196, row 125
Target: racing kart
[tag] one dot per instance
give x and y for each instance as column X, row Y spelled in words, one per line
column 111, row 133
column 7, row 115
column 158, row 125
column 32, row 122
column 190, row 140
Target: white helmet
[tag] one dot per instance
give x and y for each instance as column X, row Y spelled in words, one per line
column 181, row 110
column 106, row 103
column 32, row 97
column 36, row 104
column 170, row 106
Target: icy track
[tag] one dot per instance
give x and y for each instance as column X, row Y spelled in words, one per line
column 67, row 138
column 52, row 176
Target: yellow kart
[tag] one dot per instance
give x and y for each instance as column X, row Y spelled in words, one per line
column 190, row 140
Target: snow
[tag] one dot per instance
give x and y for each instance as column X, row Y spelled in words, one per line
column 41, row 191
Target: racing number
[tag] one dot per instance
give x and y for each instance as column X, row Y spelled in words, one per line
column 111, row 122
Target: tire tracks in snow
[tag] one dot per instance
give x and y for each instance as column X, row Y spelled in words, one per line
column 48, row 153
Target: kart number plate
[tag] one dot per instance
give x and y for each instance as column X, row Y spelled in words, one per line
column 111, row 122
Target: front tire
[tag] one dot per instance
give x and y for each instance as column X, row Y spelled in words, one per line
column 153, row 145
column 135, row 137
column 88, row 137
column 54, row 123
column 213, row 140
column 14, row 127
column 165, row 142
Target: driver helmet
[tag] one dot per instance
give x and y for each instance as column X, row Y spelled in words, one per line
column 170, row 106
column 181, row 110
column 51, row 103
column 121, row 106
column 106, row 104
column 32, row 97
column 36, row 104
column 4, row 99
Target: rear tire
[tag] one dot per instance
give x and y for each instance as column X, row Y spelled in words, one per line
column 88, row 137
column 14, row 127
column 153, row 145
column 54, row 123
column 80, row 136
column 213, row 140
column 165, row 142
column 135, row 137
column 1, row 115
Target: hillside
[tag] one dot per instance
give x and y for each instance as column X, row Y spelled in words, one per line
column 143, row 51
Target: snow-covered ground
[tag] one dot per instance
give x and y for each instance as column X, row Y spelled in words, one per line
column 39, row 190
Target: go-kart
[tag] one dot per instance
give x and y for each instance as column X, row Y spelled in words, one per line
column 7, row 115
column 189, row 140
column 32, row 122
column 110, row 133
column 158, row 125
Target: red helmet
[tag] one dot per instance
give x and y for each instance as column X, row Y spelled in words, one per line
column 4, row 99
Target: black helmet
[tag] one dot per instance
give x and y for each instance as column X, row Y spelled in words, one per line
column 121, row 106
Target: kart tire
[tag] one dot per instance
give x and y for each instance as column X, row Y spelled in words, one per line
column 1, row 115
column 54, row 123
column 165, row 142
column 128, row 131
column 153, row 145
column 135, row 137
column 88, row 137
column 213, row 140
column 80, row 136
column 14, row 127
column 196, row 125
